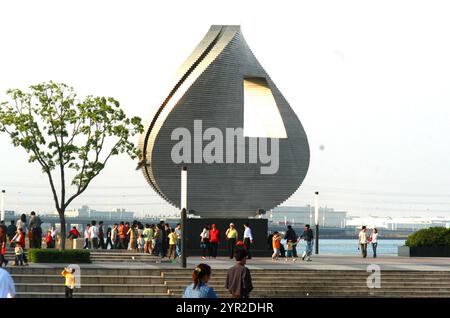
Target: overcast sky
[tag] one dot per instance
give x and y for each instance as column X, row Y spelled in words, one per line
column 370, row 82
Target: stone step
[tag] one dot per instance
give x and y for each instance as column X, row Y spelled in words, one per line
column 343, row 284
column 86, row 271
column 90, row 279
column 78, row 294
column 93, row 288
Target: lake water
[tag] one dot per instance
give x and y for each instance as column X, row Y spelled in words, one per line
column 350, row 247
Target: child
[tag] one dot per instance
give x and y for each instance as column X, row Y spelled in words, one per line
column 172, row 244
column 290, row 251
column 141, row 243
column 68, row 274
column 18, row 250
column 49, row 239
column 276, row 245
column 19, row 240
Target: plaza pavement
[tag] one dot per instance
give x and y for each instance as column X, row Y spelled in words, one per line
column 319, row 262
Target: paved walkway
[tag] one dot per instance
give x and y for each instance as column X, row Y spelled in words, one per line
column 319, row 262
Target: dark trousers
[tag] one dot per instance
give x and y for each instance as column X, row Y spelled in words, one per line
column 3, row 260
column 36, row 235
column 247, row 244
column 101, row 243
column 205, row 247
column 69, row 292
column 374, row 248
column 86, row 243
column 19, row 260
column 231, row 247
column 294, row 250
column 108, row 241
column 363, row 250
column 213, row 249
column 123, row 243
column 94, row 243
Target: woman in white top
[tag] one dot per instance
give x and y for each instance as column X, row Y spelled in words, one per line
column 204, row 241
column 374, row 241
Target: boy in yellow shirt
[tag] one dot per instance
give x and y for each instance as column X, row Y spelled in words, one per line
column 172, row 243
column 68, row 274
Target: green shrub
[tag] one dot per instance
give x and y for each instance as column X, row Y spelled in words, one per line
column 434, row 236
column 37, row 255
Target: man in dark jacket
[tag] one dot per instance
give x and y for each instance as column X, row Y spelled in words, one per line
column 11, row 231
column 101, row 236
column 36, row 230
column 291, row 236
column 308, row 236
column 239, row 280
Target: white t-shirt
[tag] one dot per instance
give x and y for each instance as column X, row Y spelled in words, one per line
column 7, row 289
column 362, row 237
column 93, row 232
column 374, row 237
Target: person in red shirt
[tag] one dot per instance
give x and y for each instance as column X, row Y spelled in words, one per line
column 214, row 241
column 48, row 239
column 73, row 233
column 19, row 239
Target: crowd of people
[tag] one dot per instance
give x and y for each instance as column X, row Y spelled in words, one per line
column 155, row 239
column 292, row 240
column 15, row 233
column 210, row 239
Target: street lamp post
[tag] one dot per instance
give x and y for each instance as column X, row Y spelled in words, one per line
column 2, row 206
column 316, row 221
column 183, row 215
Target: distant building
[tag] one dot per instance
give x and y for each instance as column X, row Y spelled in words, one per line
column 305, row 215
column 399, row 223
column 86, row 212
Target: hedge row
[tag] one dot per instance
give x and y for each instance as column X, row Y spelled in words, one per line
column 433, row 236
column 56, row 256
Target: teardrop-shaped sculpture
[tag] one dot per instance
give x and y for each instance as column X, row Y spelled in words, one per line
column 225, row 119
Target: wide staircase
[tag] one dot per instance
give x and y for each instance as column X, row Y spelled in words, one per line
column 95, row 283
column 122, row 282
column 325, row 283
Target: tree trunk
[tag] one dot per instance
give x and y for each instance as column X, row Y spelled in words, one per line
column 62, row 221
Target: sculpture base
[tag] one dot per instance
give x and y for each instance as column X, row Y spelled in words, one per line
column 260, row 246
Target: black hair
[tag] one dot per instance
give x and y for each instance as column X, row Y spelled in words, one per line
column 240, row 254
column 101, row 222
column 23, row 218
column 121, row 223
column 199, row 272
column 12, row 222
column 147, row 225
column 33, row 213
column 307, row 225
column 375, row 230
column 247, row 224
column 363, row 227
column 88, row 224
column 289, row 227
column 93, row 223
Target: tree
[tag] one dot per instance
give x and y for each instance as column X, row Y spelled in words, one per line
column 70, row 138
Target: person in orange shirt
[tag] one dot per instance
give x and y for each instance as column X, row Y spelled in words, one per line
column 122, row 231
column 276, row 242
